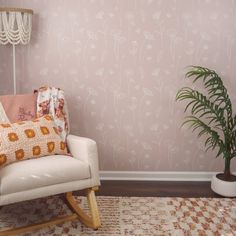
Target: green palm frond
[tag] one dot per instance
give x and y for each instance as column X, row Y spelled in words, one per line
column 216, row 89
column 232, row 142
column 211, row 114
column 213, row 139
column 233, row 123
column 201, row 106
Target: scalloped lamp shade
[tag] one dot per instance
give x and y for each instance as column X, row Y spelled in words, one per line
column 15, row 28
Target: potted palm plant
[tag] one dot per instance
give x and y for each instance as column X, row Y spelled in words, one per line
column 211, row 115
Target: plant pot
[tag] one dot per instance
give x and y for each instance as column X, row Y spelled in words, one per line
column 223, row 188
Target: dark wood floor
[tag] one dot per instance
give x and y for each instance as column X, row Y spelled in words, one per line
column 156, row 189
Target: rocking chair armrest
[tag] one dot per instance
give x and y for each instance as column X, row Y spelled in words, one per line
column 85, row 149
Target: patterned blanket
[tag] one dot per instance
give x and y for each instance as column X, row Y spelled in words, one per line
column 51, row 100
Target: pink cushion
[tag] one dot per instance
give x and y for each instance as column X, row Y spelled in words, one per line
column 19, row 107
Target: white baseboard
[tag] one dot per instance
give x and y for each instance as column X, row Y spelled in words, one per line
column 156, row 175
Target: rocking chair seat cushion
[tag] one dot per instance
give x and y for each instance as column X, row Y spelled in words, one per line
column 44, row 171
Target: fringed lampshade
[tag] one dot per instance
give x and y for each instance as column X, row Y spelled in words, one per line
column 15, row 28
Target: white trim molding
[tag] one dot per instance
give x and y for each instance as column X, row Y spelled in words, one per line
column 157, row 175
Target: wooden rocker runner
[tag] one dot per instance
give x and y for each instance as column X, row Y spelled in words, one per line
column 92, row 221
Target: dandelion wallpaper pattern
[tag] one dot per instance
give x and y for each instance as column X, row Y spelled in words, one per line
column 121, row 63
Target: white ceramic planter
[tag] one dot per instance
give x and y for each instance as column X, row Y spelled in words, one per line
column 223, row 188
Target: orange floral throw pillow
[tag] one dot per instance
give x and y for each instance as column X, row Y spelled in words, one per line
column 29, row 139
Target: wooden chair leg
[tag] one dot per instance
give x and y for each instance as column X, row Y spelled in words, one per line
column 92, row 221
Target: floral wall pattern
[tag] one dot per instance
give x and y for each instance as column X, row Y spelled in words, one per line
column 121, row 63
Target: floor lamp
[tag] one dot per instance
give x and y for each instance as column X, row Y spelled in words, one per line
column 15, row 28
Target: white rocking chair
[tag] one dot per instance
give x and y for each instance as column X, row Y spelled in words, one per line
column 50, row 175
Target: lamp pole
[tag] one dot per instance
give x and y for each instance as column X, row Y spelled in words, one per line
column 14, row 67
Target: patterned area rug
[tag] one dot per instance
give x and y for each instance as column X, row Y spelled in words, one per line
column 131, row 216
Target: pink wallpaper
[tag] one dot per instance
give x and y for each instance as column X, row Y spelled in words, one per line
column 121, row 63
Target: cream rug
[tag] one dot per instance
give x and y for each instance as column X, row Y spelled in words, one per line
column 131, row 216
